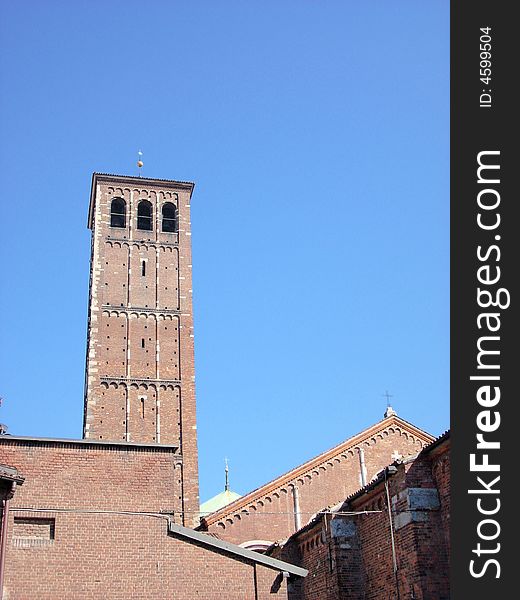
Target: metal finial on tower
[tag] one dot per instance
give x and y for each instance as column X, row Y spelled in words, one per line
column 226, row 488
column 139, row 161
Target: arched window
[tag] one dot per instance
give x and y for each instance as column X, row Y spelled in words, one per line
column 169, row 218
column 144, row 215
column 118, row 213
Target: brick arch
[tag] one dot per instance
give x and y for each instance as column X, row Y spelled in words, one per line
column 147, row 316
column 257, row 545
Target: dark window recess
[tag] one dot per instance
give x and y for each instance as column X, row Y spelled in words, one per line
column 169, row 218
column 30, row 528
column 118, row 213
column 143, row 268
column 142, row 343
column 144, row 215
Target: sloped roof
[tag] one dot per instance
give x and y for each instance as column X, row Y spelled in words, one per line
column 236, row 551
column 392, row 420
column 376, row 481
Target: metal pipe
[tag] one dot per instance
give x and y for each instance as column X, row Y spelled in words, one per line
column 296, row 504
column 394, row 555
column 362, row 467
column 3, row 534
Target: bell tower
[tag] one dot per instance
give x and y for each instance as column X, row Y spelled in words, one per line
column 140, row 375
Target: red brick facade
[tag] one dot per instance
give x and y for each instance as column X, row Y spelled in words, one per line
column 268, row 513
column 140, row 360
column 104, row 517
column 350, row 556
column 92, row 520
column 108, row 516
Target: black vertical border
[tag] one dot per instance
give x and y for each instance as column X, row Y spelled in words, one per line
column 475, row 129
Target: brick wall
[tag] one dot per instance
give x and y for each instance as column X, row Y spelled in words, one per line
column 268, row 513
column 350, row 556
column 440, row 459
column 140, row 356
column 89, row 533
column 117, row 557
column 78, row 474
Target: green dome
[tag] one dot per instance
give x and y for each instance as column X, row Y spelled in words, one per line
column 218, row 501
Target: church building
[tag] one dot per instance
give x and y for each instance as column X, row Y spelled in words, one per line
column 111, row 515
column 116, row 514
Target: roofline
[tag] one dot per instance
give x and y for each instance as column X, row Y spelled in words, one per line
column 372, row 485
column 381, row 475
column 85, row 442
column 323, row 457
column 436, row 443
column 369, row 487
column 184, row 185
column 206, row 540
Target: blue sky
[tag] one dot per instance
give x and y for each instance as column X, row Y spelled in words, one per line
column 317, row 134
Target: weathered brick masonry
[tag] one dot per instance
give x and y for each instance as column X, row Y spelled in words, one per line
column 350, row 557
column 140, row 374
column 104, row 517
column 268, row 513
column 95, row 520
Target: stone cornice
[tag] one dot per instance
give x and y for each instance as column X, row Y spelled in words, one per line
column 291, row 476
column 85, row 442
column 154, row 243
column 140, row 381
column 133, row 181
column 140, row 309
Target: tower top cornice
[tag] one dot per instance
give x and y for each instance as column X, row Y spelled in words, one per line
column 186, row 186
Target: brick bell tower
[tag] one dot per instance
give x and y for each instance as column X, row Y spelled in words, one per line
column 139, row 384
